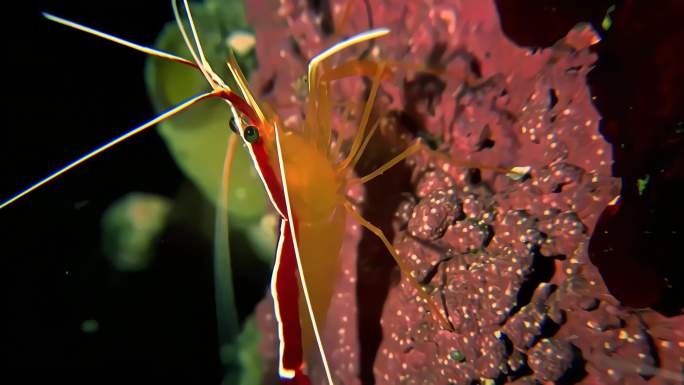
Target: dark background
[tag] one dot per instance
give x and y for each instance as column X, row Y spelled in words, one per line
column 68, row 92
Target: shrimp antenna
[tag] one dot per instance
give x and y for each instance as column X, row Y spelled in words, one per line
column 118, row 40
column 202, row 63
column 224, row 92
column 214, row 80
column 169, row 113
column 344, row 44
column 240, row 79
column 195, row 36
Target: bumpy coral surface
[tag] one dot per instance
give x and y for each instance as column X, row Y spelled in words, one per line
column 505, row 259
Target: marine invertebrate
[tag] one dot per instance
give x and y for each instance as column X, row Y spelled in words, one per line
column 305, row 183
column 276, row 163
column 300, row 170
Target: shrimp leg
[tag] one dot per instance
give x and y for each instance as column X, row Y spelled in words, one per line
column 402, row 265
column 315, row 88
column 226, row 309
column 364, row 118
column 380, row 170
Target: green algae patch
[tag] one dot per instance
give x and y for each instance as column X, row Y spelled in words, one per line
column 607, row 21
column 130, row 229
column 90, row 326
column 642, row 183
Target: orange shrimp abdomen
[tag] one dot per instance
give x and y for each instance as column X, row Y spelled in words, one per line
column 311, row 179
column 314, row 194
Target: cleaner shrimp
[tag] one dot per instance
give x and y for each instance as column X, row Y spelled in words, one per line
column 305, row 177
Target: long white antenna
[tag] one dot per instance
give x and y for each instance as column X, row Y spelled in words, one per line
column 118, row 40
column 195, row 35
column 214, row 80
column 110, row 144
column 181, row 27
column 346, row 43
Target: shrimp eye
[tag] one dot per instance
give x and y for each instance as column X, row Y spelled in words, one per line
column 251, row 134
column 233, row 125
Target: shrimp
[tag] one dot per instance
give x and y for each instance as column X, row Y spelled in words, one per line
column 304, row 184
column 307, row 187
column 304, row 176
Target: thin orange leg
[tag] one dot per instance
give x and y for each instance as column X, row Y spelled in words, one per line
column 224, row 293
column 364, row 118
column 422, row 293
column 391, row 163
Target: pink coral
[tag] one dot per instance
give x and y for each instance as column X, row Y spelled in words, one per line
column 505, row 259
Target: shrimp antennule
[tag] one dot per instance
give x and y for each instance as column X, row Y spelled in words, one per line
column 214, row 80
column 250, row 108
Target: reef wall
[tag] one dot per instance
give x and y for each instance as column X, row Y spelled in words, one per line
column 505, row 258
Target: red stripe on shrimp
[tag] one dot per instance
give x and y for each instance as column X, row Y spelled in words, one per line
column 285, row 292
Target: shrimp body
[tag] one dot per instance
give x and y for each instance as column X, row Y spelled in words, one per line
column 312, row 181
column 301, row 176
column 315, row 191
column 307, row 185
column 304, row 189
column 313, row 184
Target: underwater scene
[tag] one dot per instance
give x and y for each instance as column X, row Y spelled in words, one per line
column 345, row 192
